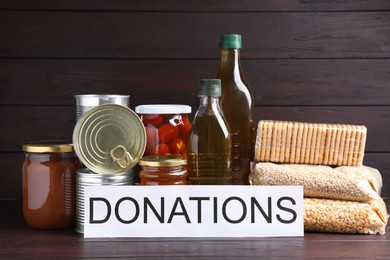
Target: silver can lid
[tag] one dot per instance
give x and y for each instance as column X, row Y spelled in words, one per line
column 86, row 177
column 92, row 100
column 109, row 139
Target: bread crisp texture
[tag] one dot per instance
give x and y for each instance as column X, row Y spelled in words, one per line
column 310, row 143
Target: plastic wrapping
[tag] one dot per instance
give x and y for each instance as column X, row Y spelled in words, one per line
column 310, row 143
column 344, row 183
column 337, row 216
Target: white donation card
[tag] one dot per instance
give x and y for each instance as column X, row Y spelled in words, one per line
column 193, row 211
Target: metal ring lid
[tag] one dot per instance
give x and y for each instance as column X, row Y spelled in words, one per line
column 162, row 161
column 50, row 146
column 109, row 139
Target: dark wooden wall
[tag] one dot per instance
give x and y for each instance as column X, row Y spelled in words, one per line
column 308, row 60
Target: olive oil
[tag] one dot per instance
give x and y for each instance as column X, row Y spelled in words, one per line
column 237, row 105
column 209, row 142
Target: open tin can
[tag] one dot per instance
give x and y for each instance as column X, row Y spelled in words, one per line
column 109, row 140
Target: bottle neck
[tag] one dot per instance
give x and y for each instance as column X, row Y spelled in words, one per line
column 209, row 101
column 230, row 61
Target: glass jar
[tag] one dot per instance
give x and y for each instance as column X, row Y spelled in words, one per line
column 167, row 129
column 163, row 170
column 49, row 184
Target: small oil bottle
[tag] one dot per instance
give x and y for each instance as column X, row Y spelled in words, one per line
column 209, row 143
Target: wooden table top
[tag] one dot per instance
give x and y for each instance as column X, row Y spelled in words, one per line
column 17, row 241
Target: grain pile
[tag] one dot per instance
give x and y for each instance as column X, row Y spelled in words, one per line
column 341, row 194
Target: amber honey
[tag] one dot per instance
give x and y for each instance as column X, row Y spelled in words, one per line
column 163, row 170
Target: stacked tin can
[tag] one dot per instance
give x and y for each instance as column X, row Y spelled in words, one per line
column 89, row 101
column 109, row 139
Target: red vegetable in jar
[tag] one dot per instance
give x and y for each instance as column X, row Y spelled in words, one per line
column 167, row 128
column 167, row 133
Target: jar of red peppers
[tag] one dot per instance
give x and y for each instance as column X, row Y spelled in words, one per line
column 167, row 128
column 163, row 170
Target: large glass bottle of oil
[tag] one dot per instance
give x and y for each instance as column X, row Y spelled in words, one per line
column 237, row 104
column 209, row 143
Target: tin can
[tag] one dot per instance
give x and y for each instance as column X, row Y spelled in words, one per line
column 167, row 128
column 87, row 102
column 86, row 177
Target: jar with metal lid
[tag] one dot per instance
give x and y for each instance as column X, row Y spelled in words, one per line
column 167, row 128
column 49, row 184
column 163, row 170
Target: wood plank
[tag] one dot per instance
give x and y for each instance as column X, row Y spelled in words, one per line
column 196, row 34
column 11, row 176
column 197, row 5
column 292, row 248
column 22, row 124
column 274, row 82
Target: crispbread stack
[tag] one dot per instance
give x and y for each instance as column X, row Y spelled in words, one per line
column 310, row 143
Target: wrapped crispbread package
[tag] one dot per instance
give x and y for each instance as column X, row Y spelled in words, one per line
column 320, row 181
column 310, row 143
column 338, row 216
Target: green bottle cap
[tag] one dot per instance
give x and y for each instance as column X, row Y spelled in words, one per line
column 230, row 41
column 209, row 87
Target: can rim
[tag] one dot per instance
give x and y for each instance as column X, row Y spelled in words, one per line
column 91, row 100
column 163, row 109
column 48, row 146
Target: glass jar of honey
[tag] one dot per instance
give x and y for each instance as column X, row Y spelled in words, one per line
column 49, row 184
column 163, row 170
column 167, row 128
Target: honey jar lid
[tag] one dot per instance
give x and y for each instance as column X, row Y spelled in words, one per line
column 163, row 161
column 49, row 146
column 163, row 109
column 109, row 139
